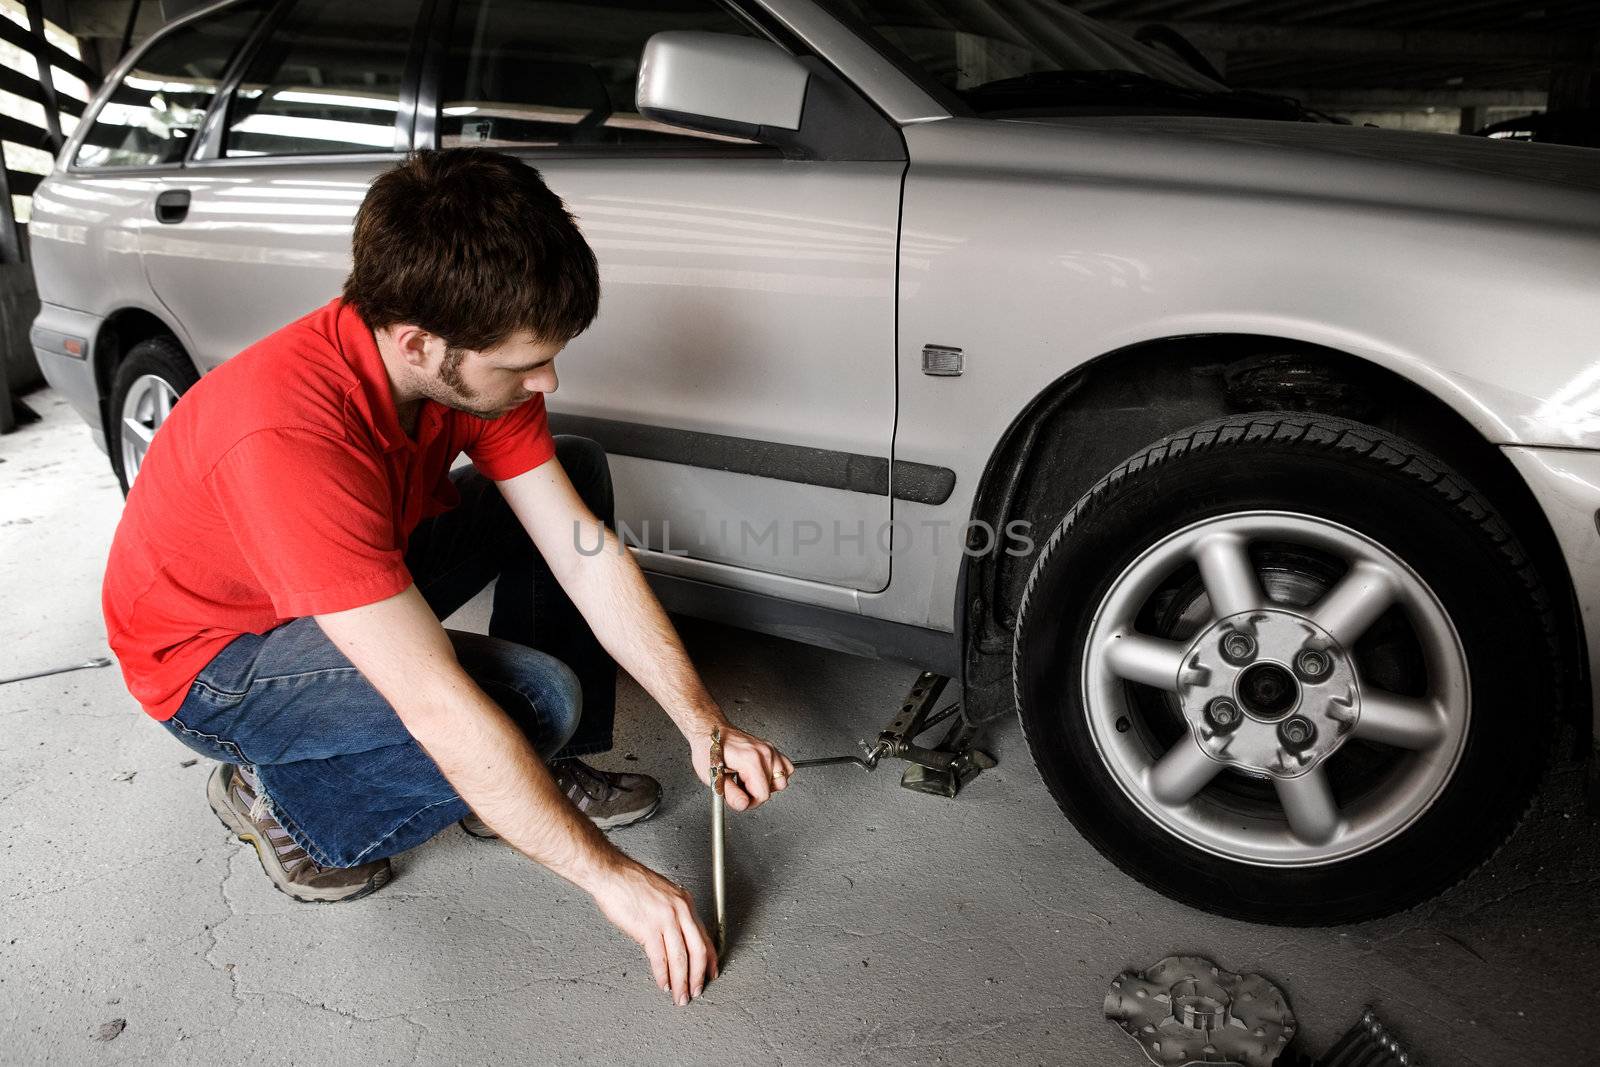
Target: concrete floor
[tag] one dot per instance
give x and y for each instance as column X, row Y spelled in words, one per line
column 872, row 924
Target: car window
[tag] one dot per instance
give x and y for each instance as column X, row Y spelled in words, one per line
column 155, row 110
column 327, row 80
column 531, row 72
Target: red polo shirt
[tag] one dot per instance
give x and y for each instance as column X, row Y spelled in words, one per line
column 280, row 486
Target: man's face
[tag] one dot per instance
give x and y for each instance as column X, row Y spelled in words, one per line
column 491, row 383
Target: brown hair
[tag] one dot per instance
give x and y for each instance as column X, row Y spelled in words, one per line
column 472, row 246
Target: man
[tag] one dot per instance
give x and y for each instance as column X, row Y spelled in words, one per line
column 275, row 586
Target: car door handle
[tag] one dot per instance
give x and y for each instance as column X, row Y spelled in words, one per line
column 172, row 205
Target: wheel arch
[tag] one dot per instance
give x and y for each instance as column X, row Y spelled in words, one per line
column 117, row 336
column 1086, row 421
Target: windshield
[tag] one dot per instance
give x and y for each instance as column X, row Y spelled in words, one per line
column 1026, row 56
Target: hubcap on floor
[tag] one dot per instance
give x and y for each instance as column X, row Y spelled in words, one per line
column 1271, row 691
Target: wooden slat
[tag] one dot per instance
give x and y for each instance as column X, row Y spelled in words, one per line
column 24, row 133
column 14, row 82
column 22, row 183
column 19, row 36
column 10, row 252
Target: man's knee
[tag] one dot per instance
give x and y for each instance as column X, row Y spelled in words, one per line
column 567, row 710
column 556, row 697
column 539, row 692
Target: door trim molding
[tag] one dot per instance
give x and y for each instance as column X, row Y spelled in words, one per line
column 919, row 483
column 859, row 635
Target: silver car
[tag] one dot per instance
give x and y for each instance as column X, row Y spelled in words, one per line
column 1252, row 459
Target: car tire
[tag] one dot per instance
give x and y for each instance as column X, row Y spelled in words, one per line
column 146, row 384
column 1392, row 613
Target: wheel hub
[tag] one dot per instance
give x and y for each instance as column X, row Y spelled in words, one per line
column 1269, row 692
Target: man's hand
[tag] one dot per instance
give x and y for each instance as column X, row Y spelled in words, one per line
column 399, row 646
column 759, row 769
column 658, row 914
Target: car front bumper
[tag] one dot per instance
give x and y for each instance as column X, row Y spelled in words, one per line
column 63, row 343
column 1566, row 482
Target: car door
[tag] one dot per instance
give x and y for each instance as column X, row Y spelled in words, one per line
column 741, row 370
column 254, row 230
column 89, row 216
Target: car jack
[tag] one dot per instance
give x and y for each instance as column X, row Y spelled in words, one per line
column 941, row 770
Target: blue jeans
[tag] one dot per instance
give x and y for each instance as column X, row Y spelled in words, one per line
column 339, row 769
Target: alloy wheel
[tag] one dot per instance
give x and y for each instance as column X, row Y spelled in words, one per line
column 1272, row 691
column 147, row 404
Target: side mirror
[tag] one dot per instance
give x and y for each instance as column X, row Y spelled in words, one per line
column 720, row 83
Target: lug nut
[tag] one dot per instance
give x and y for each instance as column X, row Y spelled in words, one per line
column 1297, row 733
column 1312, row 663
column 1238, row 646
column 1222, row 713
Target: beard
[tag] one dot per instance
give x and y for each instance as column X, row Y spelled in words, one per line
column 450, row 373
column 452, row 391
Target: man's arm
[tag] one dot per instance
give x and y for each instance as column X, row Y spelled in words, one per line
column 399, row 646
column 610, row 590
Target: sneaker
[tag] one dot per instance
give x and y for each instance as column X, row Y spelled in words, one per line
column 478, row 828
column 609, row 799
column 238, row 802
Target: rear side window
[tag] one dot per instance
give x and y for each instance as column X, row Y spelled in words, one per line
column 326, row 80
column 155, row 110
column 536, row 72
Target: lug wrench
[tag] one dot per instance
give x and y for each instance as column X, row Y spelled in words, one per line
column 941, row 771
column 719, row 839
column 719, row 874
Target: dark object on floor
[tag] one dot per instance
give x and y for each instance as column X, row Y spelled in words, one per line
column 19, row 414
column 1367, row 1044
column 1186, row 1009
column 109, row 1031
column 98, row 661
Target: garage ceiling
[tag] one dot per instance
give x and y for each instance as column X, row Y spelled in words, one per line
column 1483, row 15
column 1338, row 55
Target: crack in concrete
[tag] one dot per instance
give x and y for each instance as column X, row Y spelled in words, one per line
column 231, row 971
column 421, row 1032
column 22, row 787
column 459, row 911
column 117, row 873
column 943, row 1042
column 1527, row 887
column 228, row 969
column 843, row 929
column 212, row 942
column 409, row 1013
column 759, row 1026
column 1037, row 901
